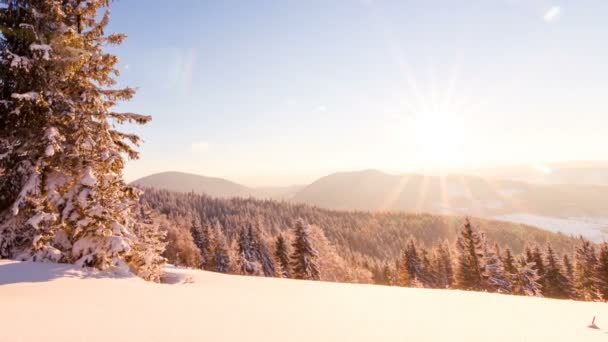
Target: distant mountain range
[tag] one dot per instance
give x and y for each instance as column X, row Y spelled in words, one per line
column 212, row 186
column 571, row 207
column 576, row 173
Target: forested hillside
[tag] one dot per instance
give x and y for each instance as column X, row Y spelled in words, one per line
column 254, row 237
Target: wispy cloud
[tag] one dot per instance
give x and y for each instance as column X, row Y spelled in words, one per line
column 201, row 146
column 552, row 14
column 182, row 70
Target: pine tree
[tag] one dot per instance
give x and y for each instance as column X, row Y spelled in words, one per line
column 585, row 276
column 219, row 260
column 470, row 246
column 202, row 237
column 388, row 275
column 602, row 271
column 282, row 256
column 555, row 283
column 149, row 245
column 525, row 282
column 494, row 275
column 568, row 268
column 539, row 266
column 444, row 272
column 509, row 263
column 62, row 196
column 255, row 257
column 304, row 256
column 412, row 267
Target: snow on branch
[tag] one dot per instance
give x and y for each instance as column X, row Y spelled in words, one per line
column 31, row 96
column 44, row 48
column 131, row 117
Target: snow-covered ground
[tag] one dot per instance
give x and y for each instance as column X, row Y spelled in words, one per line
column 49, row 302
column 595, row 229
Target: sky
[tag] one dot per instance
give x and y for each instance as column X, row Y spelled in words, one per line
column 282, row 92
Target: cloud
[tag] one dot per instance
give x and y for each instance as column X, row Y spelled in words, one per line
column 200, row 146
column 553, row 14
column 321, row 108
column 181, row 70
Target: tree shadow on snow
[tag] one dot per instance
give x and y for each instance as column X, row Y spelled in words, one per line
column 35, row 272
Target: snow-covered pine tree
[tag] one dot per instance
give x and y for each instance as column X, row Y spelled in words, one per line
column 602, row 271
column 494, row 275
column 388, row 275
column 525, row 282
column 304, row 256
column 539, row 266
column 568, row 268
column 555, row 283
column 281, row 254
column 62, row 196
column 470, row 245
column 429, row 275
column 201, row 235
column 149, row 246
column 219, row 260
column 509, row 263
column 255, row 258
column 443, row 266
column 585, row 275
column 412, row 266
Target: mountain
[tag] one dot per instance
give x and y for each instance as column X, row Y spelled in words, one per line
column 572, row 208
column 37, row 298
column 186, row 182
column 211, row 186
column 579, row 209
column 573, row 173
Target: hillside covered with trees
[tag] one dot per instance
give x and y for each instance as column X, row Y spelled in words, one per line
column 280, row 239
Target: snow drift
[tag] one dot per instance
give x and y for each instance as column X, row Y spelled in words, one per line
column 52, row 302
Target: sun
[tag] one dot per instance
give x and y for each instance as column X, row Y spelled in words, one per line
column 440, row 137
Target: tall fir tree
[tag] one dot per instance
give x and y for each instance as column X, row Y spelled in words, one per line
column 62, row 196
column 602, row 271
column 539, row 265
column 585, row 271
column 255, row 259
column 219, row 260
column 470, row 245
column 525, row 282
column 494, row 275
column 202, row 237
column 568, row 268
column 412, row 266
column 281, row 254
column 304, row 256
column 444, row 271
column 555, row 283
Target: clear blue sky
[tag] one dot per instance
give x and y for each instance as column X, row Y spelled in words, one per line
column 282, row 92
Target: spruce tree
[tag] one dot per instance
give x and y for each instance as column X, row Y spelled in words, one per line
column 509, row 263
column 555, row 283
column 282, row 256
column 62, row 196
column 568, row 268
column 219, row 260
column 494, row 275
column 525, row 282
column 304, row 256
column 444, row 272
column 470, row 268
column 412, row 267
column 602, row 271
column 539, row 265
column 585, row 275
column 202, row 237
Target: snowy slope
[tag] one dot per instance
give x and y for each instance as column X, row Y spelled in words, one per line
column 47, row 302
